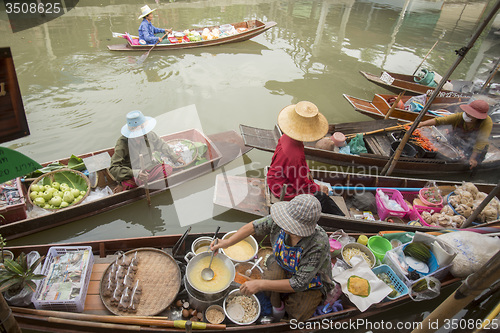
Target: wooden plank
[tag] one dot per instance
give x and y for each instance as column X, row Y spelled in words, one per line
column 339, row 200
column 260, row 138
column 242, row 193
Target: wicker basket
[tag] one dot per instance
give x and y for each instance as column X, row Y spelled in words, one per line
column 159, row 276
column 59, row 176
column 187, row 142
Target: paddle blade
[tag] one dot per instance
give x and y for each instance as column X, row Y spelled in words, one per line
column 15, row 164
column 142, row 58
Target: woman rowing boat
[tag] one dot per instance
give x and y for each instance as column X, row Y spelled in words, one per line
column 147, row 30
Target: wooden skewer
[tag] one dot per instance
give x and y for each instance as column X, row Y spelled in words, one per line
column 128, row 320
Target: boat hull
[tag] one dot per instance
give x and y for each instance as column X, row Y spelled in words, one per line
column 223, row 148
column 255, row 28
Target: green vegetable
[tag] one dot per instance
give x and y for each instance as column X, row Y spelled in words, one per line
column 418, row 250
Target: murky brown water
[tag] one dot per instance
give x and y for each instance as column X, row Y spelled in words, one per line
column 76, row 93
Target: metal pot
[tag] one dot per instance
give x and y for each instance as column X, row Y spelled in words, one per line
column 249, row 239
column 194, row 261
column 201, row 301
column 199, row 242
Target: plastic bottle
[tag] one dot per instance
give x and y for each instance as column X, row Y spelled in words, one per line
column 362, row 239
column 279, row 313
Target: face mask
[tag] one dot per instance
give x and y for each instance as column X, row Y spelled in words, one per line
column 466, row 118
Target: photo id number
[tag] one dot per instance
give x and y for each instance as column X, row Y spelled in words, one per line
column 33, row 8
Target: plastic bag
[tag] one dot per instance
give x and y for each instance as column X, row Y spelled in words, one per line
column 24, row 298
column 416, row 103
column 357, row 145
column 97, row 194
column 423, row 292
column 342, row 237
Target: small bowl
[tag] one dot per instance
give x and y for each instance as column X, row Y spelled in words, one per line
column 362, row 248
column 241, row 268
column 249, row 239
column 379, row 246
column 233, row 311
column 217, row 308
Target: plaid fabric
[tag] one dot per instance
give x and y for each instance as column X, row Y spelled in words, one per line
column 315, row 258
column 298, row 216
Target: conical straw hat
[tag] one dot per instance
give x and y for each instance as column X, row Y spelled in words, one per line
column 303, row 122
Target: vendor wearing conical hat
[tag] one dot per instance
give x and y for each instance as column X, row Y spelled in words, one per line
column 301, row 122
column 471, row 129
column 147, row 30
column 139, row 139
column 299, row 273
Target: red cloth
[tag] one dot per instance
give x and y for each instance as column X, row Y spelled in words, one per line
column 289, row 166
column 157, row 172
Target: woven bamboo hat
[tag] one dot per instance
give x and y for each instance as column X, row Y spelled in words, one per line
column 145, row 10
column 303, row 122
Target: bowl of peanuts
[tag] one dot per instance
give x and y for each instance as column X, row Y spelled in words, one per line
column 241, row 309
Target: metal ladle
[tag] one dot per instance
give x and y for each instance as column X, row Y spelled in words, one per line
column 248, row 272
column 207, row 273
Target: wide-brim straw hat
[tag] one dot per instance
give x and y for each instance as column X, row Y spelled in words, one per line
column 477, row 109
column 303, row 122
column 137, row 125
column 145, row 10
column 298, row 216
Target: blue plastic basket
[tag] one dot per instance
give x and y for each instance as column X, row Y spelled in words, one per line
column 396, row 281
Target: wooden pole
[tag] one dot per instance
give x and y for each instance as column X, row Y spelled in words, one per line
column 481, row 206
column 146, row 185
column 8, row 322
column 470, row 289
column 129, row 320
column 391, row 164
column 433, row 46
column 493, row 72
column 393, row 106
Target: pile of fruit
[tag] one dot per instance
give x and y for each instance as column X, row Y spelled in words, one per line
column 55, row 195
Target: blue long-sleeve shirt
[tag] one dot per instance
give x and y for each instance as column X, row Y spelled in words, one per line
column 147, row 32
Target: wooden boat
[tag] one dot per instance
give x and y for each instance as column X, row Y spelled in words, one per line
column 402, row 82
column 105, row 253
column 447, row 160
column 222, row 148
column 251, row 195
column 249, row 29
column 378, row 107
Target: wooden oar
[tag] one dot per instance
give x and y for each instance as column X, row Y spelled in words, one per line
column 432, row 48
column 146, row 185
column 391, row 128
column 393, row 106
column 145, row 55
column 128, row 320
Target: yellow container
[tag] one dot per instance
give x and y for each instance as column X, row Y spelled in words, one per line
column 362, row 239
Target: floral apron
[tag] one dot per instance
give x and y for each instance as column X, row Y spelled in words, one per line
column 288, row 257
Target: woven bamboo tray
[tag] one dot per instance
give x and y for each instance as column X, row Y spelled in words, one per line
column 160, row 279
column 186, row 142
column 58, row 175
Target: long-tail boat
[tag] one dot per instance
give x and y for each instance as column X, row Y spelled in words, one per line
column 244, row 30
column 380, row 105
column 222, row 148
column 251, row 195
column 378, row 137
column 96, row 316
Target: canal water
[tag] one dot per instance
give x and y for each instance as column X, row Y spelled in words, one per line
column 76, row 92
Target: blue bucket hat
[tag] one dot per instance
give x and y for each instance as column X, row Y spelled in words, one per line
column 137, row 125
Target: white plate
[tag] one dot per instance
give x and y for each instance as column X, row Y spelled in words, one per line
column 417, row 265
